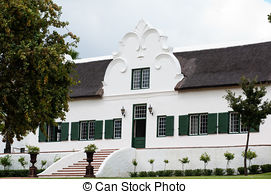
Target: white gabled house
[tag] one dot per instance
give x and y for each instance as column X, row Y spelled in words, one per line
column 149, row 101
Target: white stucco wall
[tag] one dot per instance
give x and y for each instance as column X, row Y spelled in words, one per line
column 146, row 47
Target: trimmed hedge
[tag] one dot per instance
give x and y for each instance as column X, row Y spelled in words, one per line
column 266, row 168
column 219, row 172
column 254, row 169
column 230, row 171
column 16, row 173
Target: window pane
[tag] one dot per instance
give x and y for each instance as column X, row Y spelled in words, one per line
column 83, row 130
column 91, row 130
column 136, row 78
column 194, row 124
column 161, row 126
column 203, row 123
column 145, row 78
column 140, row 112
column 234, row 123
column 117, row 128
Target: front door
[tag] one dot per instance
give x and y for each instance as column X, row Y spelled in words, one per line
column 139, row 126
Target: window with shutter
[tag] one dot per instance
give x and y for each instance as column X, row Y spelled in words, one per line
column 64, row 131
column 223, row 122
column 212, row 123
column 98, row 129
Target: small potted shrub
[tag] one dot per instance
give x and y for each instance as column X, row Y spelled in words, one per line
column 33, row 151
column 90, row 150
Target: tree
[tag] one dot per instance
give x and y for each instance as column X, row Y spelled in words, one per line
column 250, row 156
column 134, row 162
column 229, row 156
column 269, row 17
column 5, row 161
column 74, row 54
column 22, row 161
column 34, row 75
column 166, row 162
column 184, row 161
column 205, row 158
column 252, row 108
column 151, row 161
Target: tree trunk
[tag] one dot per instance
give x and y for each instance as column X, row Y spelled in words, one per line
column 245, row 156
column 8, row 147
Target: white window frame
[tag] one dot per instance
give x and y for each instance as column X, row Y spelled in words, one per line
column 81, row 128
column 116, row 133
column 161, row 131
column 233, row 124
column 195, row 132
column 91, row 126
column 141, row 80
column 200, row 122
column 141, row 114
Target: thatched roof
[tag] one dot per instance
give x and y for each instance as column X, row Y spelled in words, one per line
column 90, row 75
column 224, row 66
column 201, row 69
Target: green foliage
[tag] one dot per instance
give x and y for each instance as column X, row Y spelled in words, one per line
column 151, row 161
column 269, row 18
column 219, row 171
column 151, row 174
column 33, row 149
column 142, row 174
column 134, row 162
column 184, row 161
column 22, row 161
column 205, row 158
column 133, row 174
column 188, row 172
column 230, row 171
column 16, row 173
column 198, row 172
column 56, row 158
column 252, row 108
column 241, row 170
column 266, row 168
column 91, row 148
column 74, row 54
column 166, row 162
column 43, row 163
column 207, row 172
column 254, row 169
column 178, row 173
column 160, row 173
column 250, row 155
column 5, row 161
column 229, row 156
column 168, row 172
column 35, row 78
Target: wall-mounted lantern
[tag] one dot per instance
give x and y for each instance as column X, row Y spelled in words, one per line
column 150, row 110
column 123, row 111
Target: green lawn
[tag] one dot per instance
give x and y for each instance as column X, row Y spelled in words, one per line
column 253, row 176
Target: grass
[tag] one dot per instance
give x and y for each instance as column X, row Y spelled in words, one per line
column 252, row 176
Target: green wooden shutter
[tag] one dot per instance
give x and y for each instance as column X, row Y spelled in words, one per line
column 212, row 123
column 109, row 131
column 169, row 125
column 42, row 136
column 223, row 122
column 183, row 125
column 98, row 134
column 64, row 131
column 75, row 131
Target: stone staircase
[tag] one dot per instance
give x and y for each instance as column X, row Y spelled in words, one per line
column 78, row 169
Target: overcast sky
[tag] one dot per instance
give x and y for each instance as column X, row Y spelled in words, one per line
column 101, row 24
